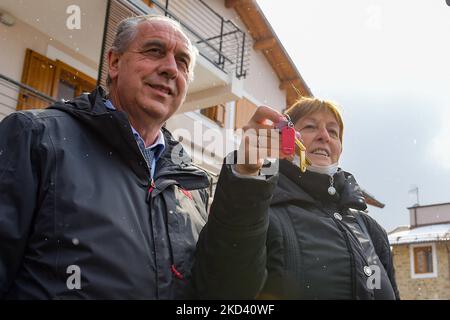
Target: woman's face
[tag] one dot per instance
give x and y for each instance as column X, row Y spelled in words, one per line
column 320, row 135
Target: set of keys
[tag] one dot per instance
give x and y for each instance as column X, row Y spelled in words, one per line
column 289, row 140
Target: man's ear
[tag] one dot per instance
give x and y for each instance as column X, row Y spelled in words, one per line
column 113, row 62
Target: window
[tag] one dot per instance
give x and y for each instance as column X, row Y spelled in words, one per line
column 53, row 78
column 423, row 261
column 66, row 90
column 216, row 114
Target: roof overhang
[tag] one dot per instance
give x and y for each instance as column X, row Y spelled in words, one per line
column 266, row 41
column 426, row 234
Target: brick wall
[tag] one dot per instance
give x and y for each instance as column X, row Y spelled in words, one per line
column 421, row 289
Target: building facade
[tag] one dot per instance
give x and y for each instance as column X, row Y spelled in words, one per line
column 421, row 253
column 55, row 50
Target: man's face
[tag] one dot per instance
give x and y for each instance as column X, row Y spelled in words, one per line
column 150, row 78
column 320, row 135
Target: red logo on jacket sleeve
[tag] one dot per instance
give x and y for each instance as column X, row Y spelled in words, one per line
column 187, row 193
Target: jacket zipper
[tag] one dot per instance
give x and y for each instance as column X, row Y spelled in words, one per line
column 342, row 228
column 150, row 189
column 173, row 269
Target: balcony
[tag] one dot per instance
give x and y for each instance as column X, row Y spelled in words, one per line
column 224, row 48
column 219, row 41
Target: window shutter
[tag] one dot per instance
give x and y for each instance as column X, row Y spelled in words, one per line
column 38, row 73
column 117, row 12
column 148, row 3
column 46, row 75
column 220, row 115
column 215, row 113
column 244, row 111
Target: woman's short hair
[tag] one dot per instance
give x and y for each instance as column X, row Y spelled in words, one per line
column 305, row 106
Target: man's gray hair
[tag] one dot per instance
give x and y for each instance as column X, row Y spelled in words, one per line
column 127, row 30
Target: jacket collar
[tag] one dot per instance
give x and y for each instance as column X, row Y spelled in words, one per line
column 312, row 187
column 114, row 129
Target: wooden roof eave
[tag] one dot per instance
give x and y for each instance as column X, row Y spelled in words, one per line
column 266, row 40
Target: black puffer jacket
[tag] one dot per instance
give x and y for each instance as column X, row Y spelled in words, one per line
column 317, row 246
column 74, row 198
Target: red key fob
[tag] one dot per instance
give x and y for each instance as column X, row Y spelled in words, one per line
column 288, row 140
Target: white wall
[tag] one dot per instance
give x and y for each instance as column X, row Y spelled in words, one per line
column 431, row 214
column 13, row 43
column 261, row 84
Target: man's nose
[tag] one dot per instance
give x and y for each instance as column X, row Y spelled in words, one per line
column 168, row 67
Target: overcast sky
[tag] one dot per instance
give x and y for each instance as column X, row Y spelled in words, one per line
column 387, row 63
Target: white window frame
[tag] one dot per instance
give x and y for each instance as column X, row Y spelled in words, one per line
column 433, row 274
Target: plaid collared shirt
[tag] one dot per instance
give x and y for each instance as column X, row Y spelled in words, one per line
column 151, row 153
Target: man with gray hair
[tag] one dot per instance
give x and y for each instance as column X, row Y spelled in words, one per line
column 94, row 203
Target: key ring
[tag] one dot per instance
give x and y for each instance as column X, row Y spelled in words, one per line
column 289, row 140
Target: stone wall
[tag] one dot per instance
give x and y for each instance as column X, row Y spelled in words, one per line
column 422, row 289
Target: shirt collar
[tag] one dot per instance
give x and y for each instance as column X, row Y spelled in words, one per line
column 159, row 145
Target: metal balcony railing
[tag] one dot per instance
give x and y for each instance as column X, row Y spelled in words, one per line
column 14, row 94
column 218, row 40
